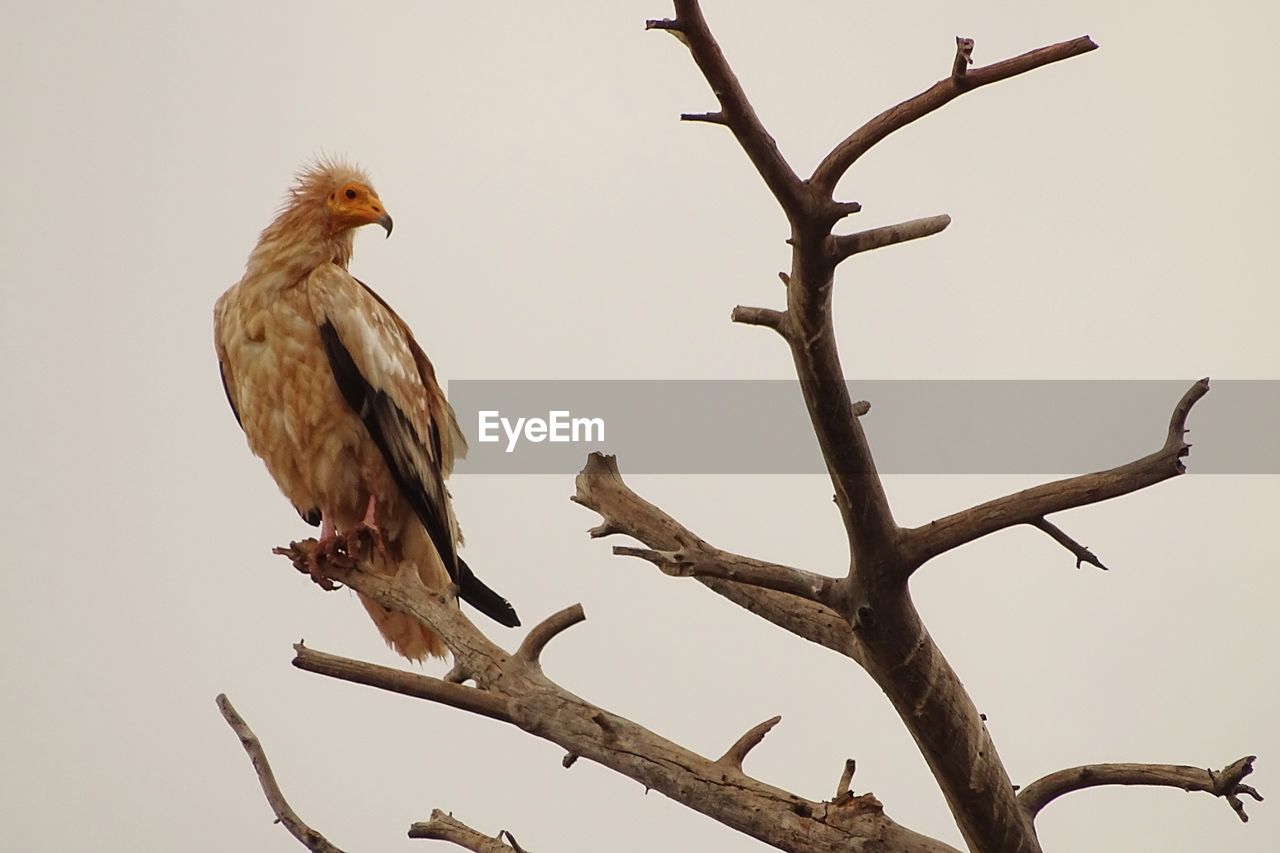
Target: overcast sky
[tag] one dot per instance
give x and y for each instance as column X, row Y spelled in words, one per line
column 1114, row 217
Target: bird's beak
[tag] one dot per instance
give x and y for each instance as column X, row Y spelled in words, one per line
column 385, row 222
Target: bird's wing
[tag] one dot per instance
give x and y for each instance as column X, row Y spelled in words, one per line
column 310, row 516
column 452, row 443
column 388, row 381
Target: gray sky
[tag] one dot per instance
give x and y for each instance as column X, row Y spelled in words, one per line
column 1114, row 217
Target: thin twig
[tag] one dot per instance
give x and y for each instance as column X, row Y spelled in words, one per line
column 759, row 317
column 693, row 563
column 285, row 815
column 736, row 753
column 709, row 118
column 1082, row 554
column 1225, row 783
column 964, row 57
column 845, row 245
column 846, row 778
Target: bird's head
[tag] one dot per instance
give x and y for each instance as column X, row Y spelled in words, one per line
column 354, row 203
column 345, row 195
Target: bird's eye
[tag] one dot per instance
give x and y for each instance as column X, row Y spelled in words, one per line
column 351, row 193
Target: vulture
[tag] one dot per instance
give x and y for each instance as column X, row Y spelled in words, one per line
column 337, row 398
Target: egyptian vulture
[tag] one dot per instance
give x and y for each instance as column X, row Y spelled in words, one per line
column 341, row 403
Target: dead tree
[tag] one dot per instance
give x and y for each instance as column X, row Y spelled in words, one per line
column 867, row 615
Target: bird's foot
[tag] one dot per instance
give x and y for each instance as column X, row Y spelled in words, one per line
column 363, row 539
column 314, row 558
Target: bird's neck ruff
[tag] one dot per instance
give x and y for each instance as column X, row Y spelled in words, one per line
column 301, row 238
column 297, row 242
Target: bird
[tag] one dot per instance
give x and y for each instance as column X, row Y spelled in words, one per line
column 340, row 402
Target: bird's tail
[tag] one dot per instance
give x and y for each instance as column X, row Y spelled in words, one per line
column 407, row 635
column 473, row 591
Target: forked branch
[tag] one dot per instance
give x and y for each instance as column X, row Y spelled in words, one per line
column 888, row 638
column 1226, row 783
column 736, row 111
column 511, row 690
column 921, row 544
column 962, row 79
column 600, row 488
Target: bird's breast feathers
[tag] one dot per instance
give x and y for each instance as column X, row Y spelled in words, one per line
column 282, row 386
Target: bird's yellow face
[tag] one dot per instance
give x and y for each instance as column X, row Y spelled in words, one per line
column 354, row 204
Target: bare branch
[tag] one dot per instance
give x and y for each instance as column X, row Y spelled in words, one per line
column 735, row 111
column 405, row 683
column 832, row 168
column 775, row 320
column 445, row 827
column 846, row 778
column 312, row 840
column 734, row 757
column 1083, row 554
column 844, row 245
column 921, row 544
column 887, row 637
column 511, row 690
column 687, row 563
column 546, row 630
column 600, row 488
column 1224, row 783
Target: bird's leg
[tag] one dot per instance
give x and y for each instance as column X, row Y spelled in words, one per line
column 367, row 529
column 328, row 532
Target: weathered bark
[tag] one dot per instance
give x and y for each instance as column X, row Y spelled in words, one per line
column 1226, row 783
column 445, row 827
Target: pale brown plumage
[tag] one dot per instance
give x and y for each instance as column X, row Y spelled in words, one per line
column 340, row 402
